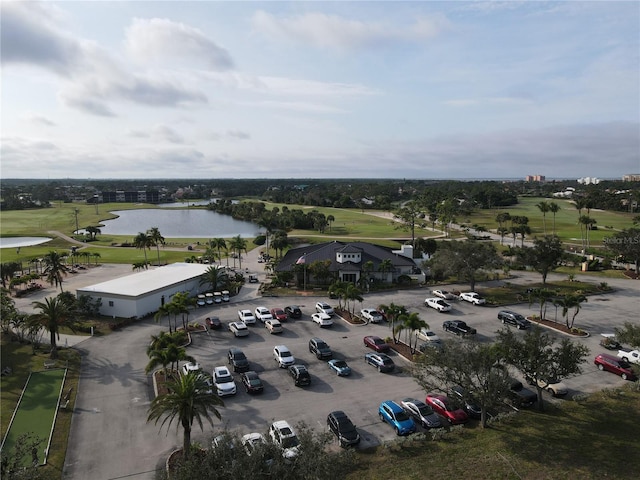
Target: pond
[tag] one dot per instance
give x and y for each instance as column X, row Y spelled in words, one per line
column 189, row 223
column 15, row 242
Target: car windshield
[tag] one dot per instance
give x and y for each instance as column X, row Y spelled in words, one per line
column 340, row 363
column 425, row 410
column 378, row 341
column 255, row 382
column 239, row 356
column 387, row 361
column 224, row 379
column 285, row 354
column 290, row 442
column 401, row 416
column 322, row 345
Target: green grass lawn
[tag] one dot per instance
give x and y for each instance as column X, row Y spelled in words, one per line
column 567, row 227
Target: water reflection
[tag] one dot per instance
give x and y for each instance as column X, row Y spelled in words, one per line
column 173, row 223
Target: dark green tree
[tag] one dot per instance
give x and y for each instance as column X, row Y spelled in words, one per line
column 55, row 268
column 465, row 364
column 545, row 255
column 538, row 358
column 629, row 333
column 54, row 313
column 465, row 259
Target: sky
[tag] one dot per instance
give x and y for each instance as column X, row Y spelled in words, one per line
column 417, row 89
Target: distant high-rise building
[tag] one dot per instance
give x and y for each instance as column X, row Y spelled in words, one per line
column 588, row 181
column 534, row 178
column 631, row 177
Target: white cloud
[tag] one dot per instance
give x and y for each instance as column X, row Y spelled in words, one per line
column 159, row 39
column 168, row 134
column 37, row 119
column 331, row 31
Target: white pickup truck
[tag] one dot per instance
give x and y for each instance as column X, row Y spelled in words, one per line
column 629, row 355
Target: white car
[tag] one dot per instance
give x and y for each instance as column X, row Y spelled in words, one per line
column 427, row 336
column 247, row 317
column 239, row 329
column 263, row 314
column 323, row 307
column 371, row 315
column 322, row 319
column 283, row 356
column 223, row 381
column 201, row 301
column 472, row 297
column 190, row 367
column 438, row 303
column 273, row 325
column 251, row 441
column 283, row 435
column 444, row 294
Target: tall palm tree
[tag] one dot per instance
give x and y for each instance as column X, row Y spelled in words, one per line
column 164, row 311
column 554, row 208
column 352, row 294
column 330, row 220
column 142, row 241
column 157, row 357
column 54, row 313
column 219, row 244
column 96, row 256
column 239, row 245
column 215, row 276
column 544, row 208
column 187, row 401
column 155, row 239
column 55, row 268
column 413, row 323
column 393, row 312
column 385, row 266
column 569, row 301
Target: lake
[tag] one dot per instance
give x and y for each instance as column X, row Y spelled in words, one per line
column 13, row 242
column 190, row 223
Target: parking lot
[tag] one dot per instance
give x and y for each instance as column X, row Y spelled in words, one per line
column 359, row 394
column 114, row 392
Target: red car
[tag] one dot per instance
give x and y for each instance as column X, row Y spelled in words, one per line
column 278, row 314
column 376, row 343
column 442, row 406
column 615, row 365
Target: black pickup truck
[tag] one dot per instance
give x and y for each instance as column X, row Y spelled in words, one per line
column 458, row 327
column 520, row 396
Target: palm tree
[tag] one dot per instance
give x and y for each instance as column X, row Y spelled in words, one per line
column 155, row 239
column 55, row 268
column 92, row 231
column 54, row 313
column 239, row 245
column 142, row 241
column 157, row 357
column 554, row 208
column 544, row 208
column 393, row 312
column 569, row 301
column 164, row 311
column 188, row 400
column 384, row 267
column 330, row 220
column 414, row 323
column 215, row 276
column 219, row 243
column 353, row 294
column 96, row 256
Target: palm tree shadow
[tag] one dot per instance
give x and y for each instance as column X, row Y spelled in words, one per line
column 107, row 372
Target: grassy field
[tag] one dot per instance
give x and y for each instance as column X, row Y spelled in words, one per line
column 22, row 360
column 567, row 227
column 593, row 438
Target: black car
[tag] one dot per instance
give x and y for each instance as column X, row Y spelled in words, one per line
column 513, row 318
column 293, row 311
column 470, row 406
column 251, row 382
column 300, row 375
column 319, row 348
column 213, row 323
column 238, row 360
column 521, row 396
column 458, row 327
column 343, row 428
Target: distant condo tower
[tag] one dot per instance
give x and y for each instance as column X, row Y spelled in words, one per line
column 534, row 178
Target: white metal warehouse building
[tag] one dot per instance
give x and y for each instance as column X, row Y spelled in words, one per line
column 142, row 293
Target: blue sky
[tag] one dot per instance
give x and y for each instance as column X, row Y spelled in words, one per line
column 320, row 89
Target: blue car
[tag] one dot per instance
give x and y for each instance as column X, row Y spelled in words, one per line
column 394, row 415
column 340, row 367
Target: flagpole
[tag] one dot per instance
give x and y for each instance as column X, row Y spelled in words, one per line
column 304, row 276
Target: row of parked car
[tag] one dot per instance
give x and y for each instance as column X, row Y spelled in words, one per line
column 212, row 298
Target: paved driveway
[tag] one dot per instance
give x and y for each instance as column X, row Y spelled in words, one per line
column 111, row 439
